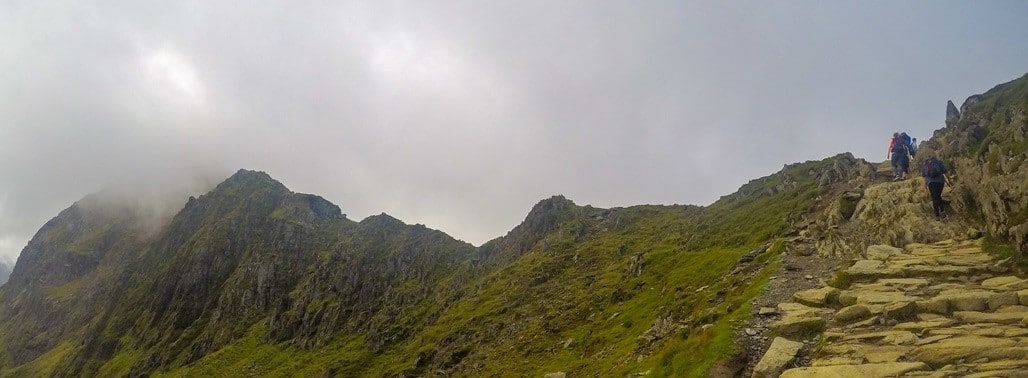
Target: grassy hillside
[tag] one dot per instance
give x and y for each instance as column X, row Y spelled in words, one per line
column 252, row 279
column 644, row 289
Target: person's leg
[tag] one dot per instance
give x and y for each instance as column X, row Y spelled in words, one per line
column 895, row 166
column 935, row 188
column 904, row 165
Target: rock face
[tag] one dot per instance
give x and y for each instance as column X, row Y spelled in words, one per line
column 986, row 150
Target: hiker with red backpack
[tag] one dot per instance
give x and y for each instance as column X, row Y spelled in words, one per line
column 935, row 179
column 899, row 155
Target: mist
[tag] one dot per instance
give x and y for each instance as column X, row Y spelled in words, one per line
column 461, row 115
column 6, row 266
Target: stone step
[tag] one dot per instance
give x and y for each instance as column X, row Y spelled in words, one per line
column 889, row 369
column 924, row 310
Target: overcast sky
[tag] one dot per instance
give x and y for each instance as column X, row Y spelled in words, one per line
column 463, row 114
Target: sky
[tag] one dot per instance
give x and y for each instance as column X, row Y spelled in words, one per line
column 461, row 115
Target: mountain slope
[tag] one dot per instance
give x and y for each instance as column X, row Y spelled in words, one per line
column 251, row 266
column 253, row 279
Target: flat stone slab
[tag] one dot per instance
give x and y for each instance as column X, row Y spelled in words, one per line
column 905, row 284
column 980, row 259
column 817, row 297
column 954, row 349
column 966, row 300
column 1006, row 283
column 936, row 270
column 887, row 337
column 1006, row 353
column 1004, row 365
column 932, row 339
column 778, row 356
column 882, row 252
column 890, row 369
column 878, row 297
column 830, row 361
column 1005, row 299
column 990, row 317
column 920, row 326
column 799, row 310
column 799, row 326
column 852, row 314
column 872, row 268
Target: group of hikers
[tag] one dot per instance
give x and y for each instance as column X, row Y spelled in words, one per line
column 901, row 148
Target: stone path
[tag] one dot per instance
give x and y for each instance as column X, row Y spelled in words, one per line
column 936, row 310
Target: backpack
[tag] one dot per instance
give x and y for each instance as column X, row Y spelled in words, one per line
column 932, row 168
column 899, row 145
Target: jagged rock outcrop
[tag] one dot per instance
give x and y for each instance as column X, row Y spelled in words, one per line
column 969, row 102
column 952, row 114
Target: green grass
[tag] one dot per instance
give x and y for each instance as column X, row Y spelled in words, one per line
column 1004, row 250
column 45, row 365
column 575, row 294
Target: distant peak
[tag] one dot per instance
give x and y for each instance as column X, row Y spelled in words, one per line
column 546, row 213
column 245, row 174
column 384, row 221
column 556, row 202
column 247, row 178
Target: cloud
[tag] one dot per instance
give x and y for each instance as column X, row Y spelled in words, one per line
column 461, row 115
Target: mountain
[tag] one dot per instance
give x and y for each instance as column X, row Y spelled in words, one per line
column 5, row 271
column 254, row 279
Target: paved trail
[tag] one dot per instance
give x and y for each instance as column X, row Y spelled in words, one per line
column 928, row 310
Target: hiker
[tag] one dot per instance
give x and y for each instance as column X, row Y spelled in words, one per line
column 908, row 142
column 935, row 179
column 898, row 155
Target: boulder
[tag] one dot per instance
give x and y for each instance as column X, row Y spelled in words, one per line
column 899, row 310
column 851, row 314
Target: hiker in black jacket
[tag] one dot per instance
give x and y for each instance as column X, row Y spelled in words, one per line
column 935, row 179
